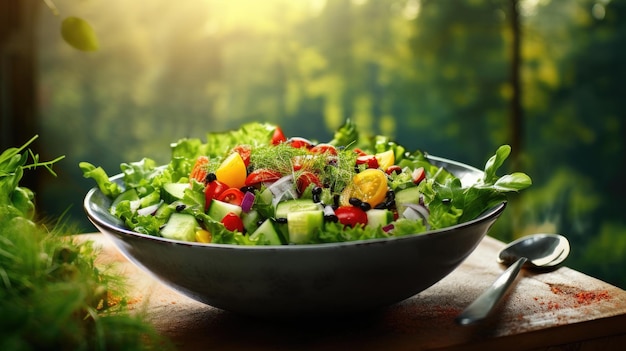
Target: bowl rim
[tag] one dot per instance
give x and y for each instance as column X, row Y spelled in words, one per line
column 99, row 222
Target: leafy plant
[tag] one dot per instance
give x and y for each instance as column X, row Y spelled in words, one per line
column 52, row 295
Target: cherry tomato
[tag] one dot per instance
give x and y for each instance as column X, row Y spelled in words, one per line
column 418, row 175
column 370, row 160
column 351, row 216
column 394, row 169
column 212, row 191
column 298, row 143
column 368, row 186
column 243, row 151
column 232, row 196
column 262, row 175
column 199, row 170
column 278, row 137
column 305, row 179
column 324, row 149
column 232, row 222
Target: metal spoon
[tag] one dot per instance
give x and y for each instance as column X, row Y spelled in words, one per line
column 537, row 251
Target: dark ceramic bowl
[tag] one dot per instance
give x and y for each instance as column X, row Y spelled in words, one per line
column 336, row 278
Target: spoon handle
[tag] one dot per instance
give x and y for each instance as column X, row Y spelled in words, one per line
column 484, row 304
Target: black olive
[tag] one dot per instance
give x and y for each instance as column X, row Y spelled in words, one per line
column 365, row 206
column 331, row 218
column 354, row 201
column 210, row 177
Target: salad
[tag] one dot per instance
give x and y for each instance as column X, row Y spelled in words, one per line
column 255, row 186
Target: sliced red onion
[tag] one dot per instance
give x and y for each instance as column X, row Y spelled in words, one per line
column 415, row 211
column 247, row 201
column 389, row 227
column 149, row 210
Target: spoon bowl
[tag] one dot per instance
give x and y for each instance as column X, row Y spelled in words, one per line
column 537, row 252
column 543, row 251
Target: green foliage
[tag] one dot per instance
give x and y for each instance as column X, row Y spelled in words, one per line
column 52, row 295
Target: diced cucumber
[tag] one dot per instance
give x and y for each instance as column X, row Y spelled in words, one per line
column 164, row 211
column 150, row 199
column 267, row 234
column 174, row 191
column 285, row 207
column 180, row 226
column 128, row 195
column 250, row 220
column 303, row 225
column 219, row 209
column 407, row 196
column 379, row 217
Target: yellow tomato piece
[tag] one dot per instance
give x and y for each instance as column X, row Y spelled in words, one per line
column 203, row 236
column 385, row 159
column 232, row 171
column 369, row 186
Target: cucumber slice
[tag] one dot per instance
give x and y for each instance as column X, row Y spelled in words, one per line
column 303, row 226
column 250, row 220
column 174, row 191
column 378, row 217
column 150, row 199
column 180, row 226
column 128, row 195
column 266, row 234
column 407, row 196
column 219, row 209
column 297, row 205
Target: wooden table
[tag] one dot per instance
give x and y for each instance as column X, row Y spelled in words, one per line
column 562, row 309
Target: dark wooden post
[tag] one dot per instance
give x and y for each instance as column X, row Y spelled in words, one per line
column 18, row 107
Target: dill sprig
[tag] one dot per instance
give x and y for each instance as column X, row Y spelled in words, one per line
column 335, row 172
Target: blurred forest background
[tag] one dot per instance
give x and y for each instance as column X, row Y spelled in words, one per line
column 456, row 78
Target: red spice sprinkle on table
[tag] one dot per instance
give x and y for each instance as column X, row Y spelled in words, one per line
column 579, row 297
column 587, row 297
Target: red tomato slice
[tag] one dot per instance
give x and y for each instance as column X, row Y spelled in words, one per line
column 212, row 191
column 243, row 151
column 394, row 169
column 232, row 222
column 351, row 216
column 419, row 174
column 232, row 196
column 298, row 143
column 305, row 179
column 324, row 149
column 278, row 137
column 360, row 152
column 369, row 160
column 262, row 175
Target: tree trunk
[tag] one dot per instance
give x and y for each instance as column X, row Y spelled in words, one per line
column 517, row 127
